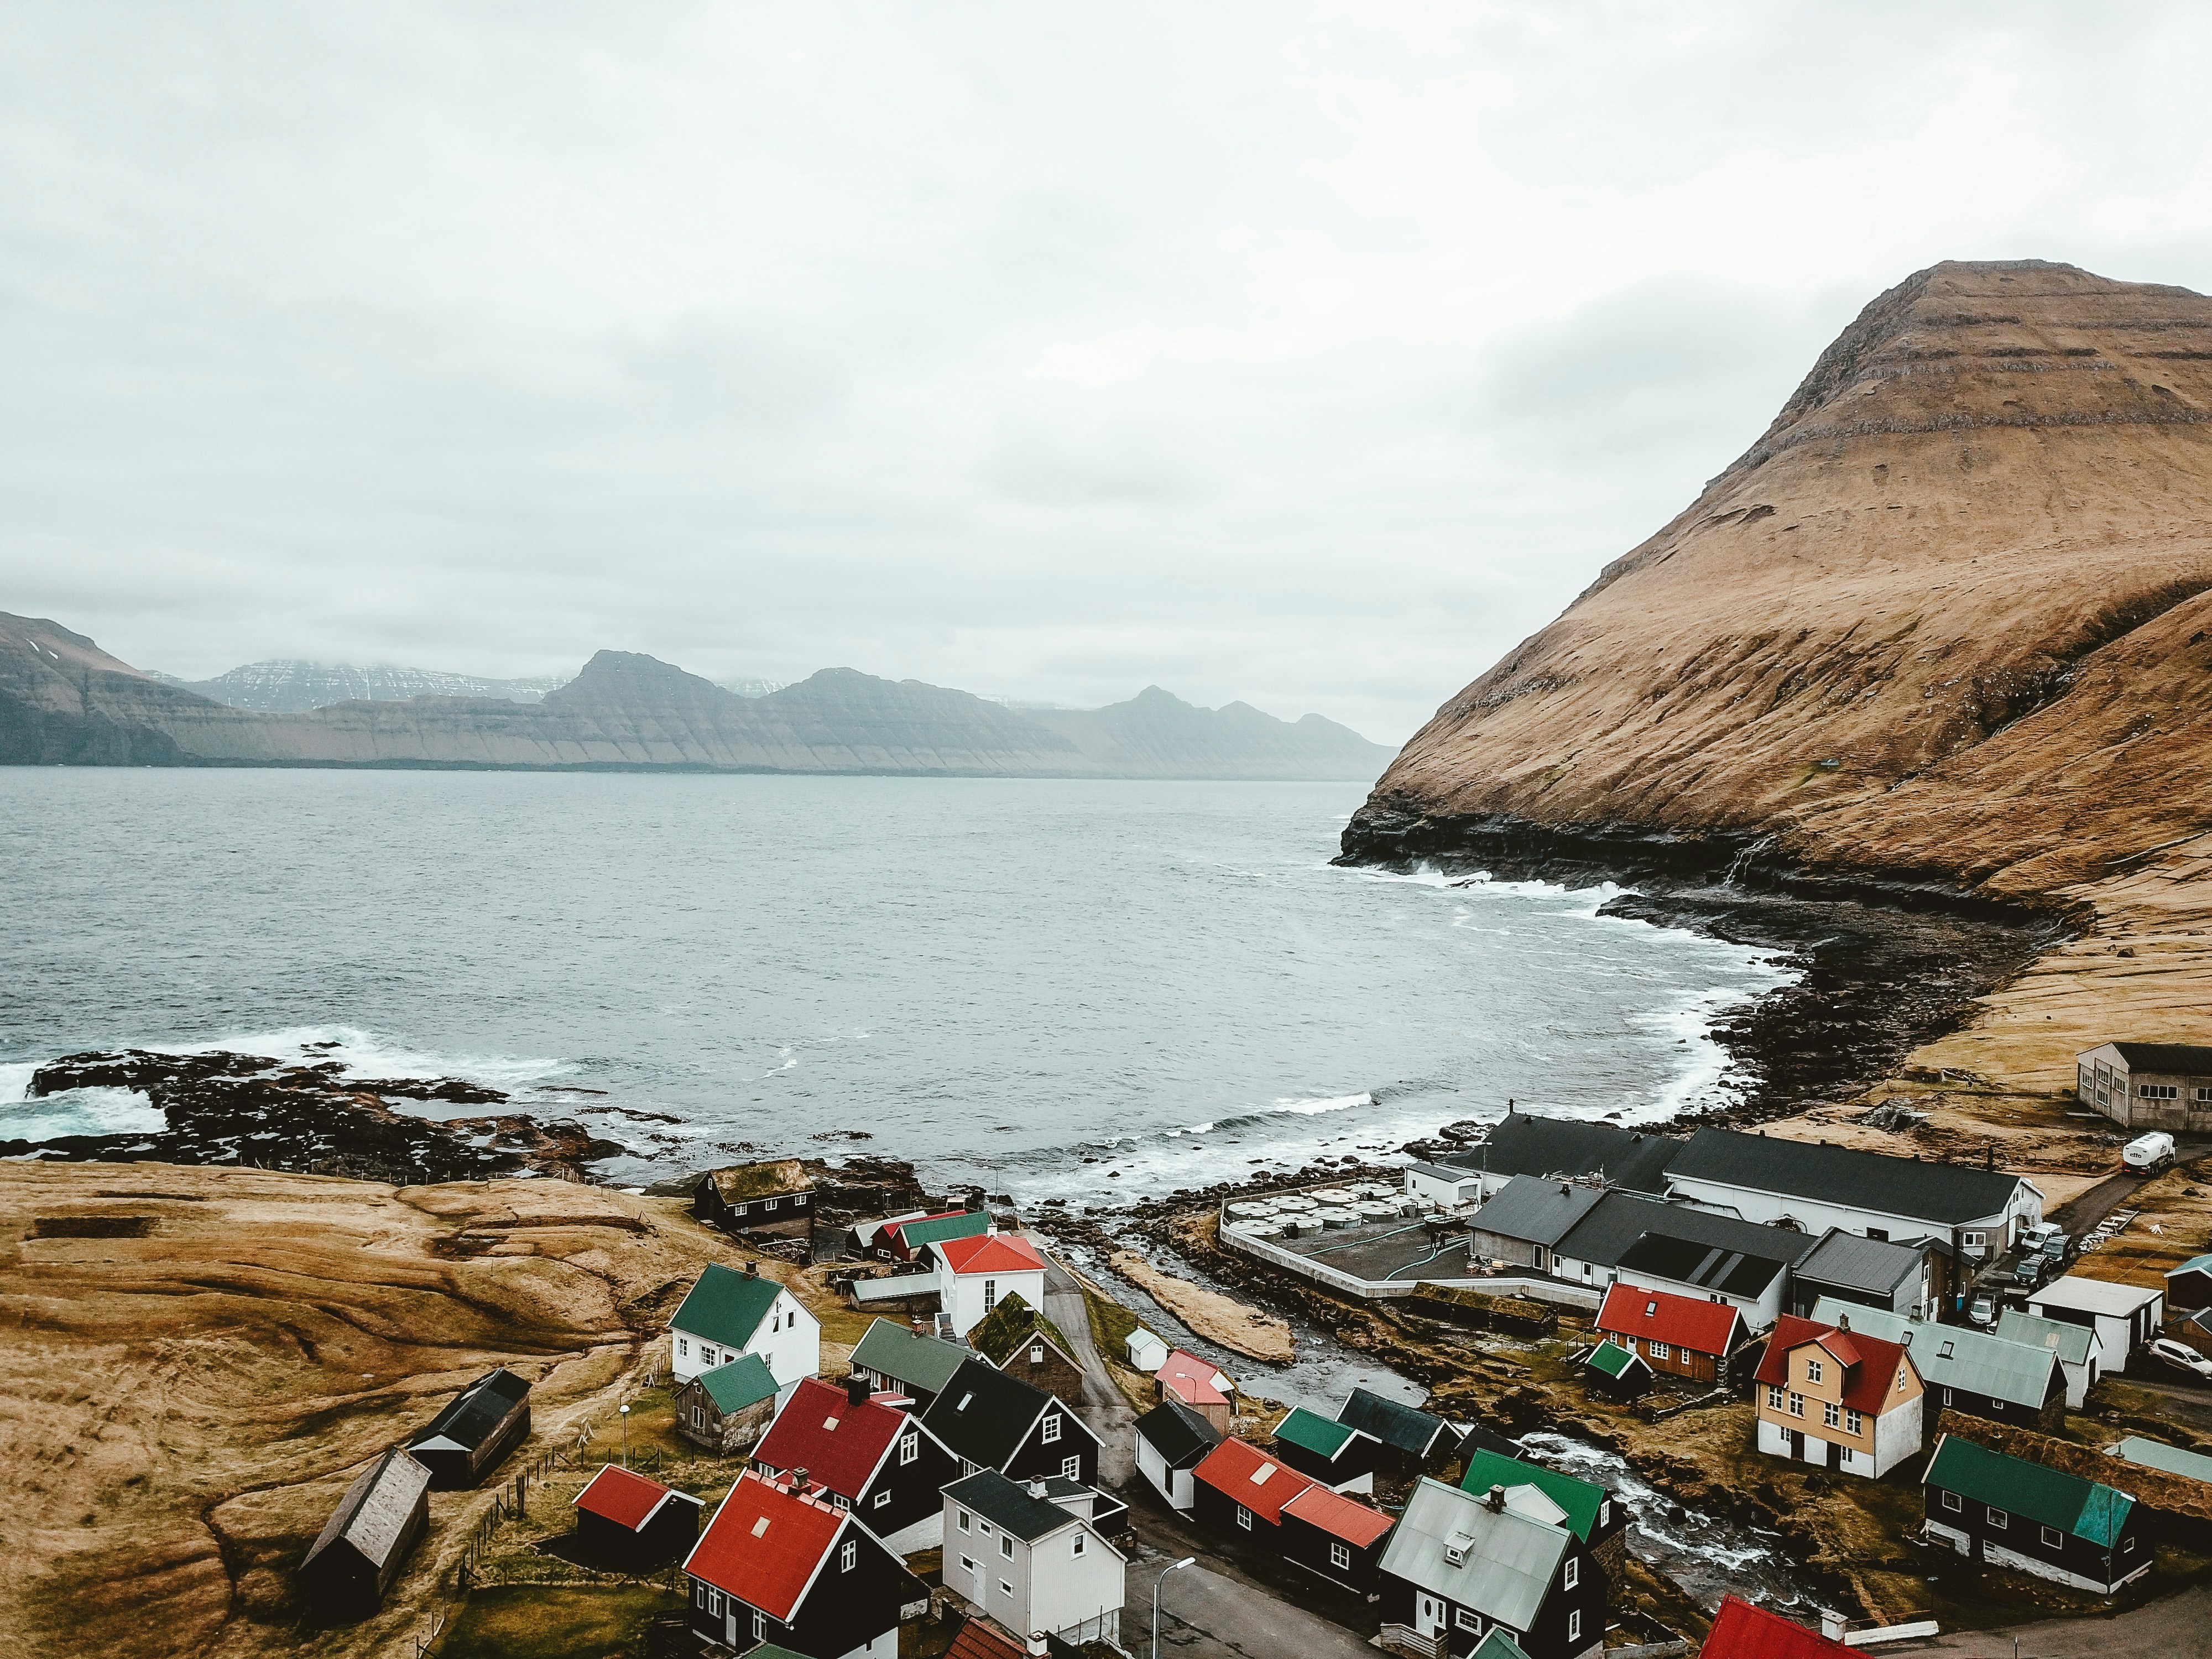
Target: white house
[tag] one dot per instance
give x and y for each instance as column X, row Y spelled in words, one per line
column 2124, row 1316
column 1809, row 1188
column 973, row 1275
column 1029, row 1555
column 1443, row 1186
column 1172, row 1440
column 728, row 1314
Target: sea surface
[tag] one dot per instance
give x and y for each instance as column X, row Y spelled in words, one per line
column 1097, row 990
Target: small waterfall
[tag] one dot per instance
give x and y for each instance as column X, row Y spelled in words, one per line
column 1737, row 865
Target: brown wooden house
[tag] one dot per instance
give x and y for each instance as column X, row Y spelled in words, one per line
column 364, row 1546
column 1022, row 1342
column 1675, row 1335
column 728, row 1408
column 775, row 1197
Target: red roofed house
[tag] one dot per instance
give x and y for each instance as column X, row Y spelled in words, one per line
column 779, row 1564
column 1681, row 1336
column 1199, row 1384
column 1837, row 1398
column 1336, row 1537
column 865, row 1455
column 1743, row 1631
column 975, row 1274
column 627, row 1520
column 1237, row 1488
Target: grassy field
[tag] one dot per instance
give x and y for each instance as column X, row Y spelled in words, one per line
column 555, row 1621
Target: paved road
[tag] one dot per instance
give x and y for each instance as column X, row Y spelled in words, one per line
column 1206, row 1613
column 2088, row 1209
column 1104, row 1407
column 2177, row 1626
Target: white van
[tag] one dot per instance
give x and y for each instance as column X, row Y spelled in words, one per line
column 2152, row 1152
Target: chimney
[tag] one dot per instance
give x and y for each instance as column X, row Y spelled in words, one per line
column 1844, row 1322
column 856, row 1390
column 920, row 1325
column 1497, row 1500
column 1562, row 1189
column 1037, row 1642
column 752, row 1270
column 1036, row 1488
column 1989, row 1161
column 799, row 1481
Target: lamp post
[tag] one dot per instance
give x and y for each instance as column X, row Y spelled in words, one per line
column 1187, row 1560
column 625, row 1436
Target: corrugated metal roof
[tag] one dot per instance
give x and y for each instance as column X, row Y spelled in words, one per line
column 1535, row 1209
column 2093, row 1296
column 1578, row 1499
column 1707, row 1266
column 1955, row 1355
column 1612, row 1229
column 1392, row 1421
column 2188, row 1058
column 2090, row 1511
column 1872, row 1265
column 2157, row 1455
column 890, row 1347
column 725, row 1306
column 1315, row 1433
column 2070, row 1342
column 1949, row 1193
column 372, row 1515
column 746, row 1381
column 1524, row 1144
column 1506, row 1562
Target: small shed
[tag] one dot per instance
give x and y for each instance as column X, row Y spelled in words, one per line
column 728, row 1409
column 1199, row 1384
column 1172, row 1440
column 628, row 1522
column 465, row 1442
column 1145, row 1351
column 1613, row 1371
column 1337, row 1454
column 776, row 1196
column 362, row 1546
column 2190, row 1285
column 2124, row 1316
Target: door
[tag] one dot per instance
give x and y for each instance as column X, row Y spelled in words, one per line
column 1823, row 1452
column 1429, row 1616
column 1796, row 1445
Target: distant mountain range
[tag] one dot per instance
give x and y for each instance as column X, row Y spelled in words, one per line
column 66, row 702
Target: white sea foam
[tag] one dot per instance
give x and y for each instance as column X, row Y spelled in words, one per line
column 1316, row 1108
column 16, row 1081
column 370, row 1054
column 81, row 1112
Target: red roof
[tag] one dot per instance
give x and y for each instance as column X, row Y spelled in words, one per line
column 1870, row 1363
column 983, row 1638
column 1338, row 1516
column 627, row 1500
column 765, row 1544
column 1191, row 1379
column 989, row 1253
column 1259, row 1483
column 838, row 1443
column 1743, row 1631
column 1684, row 1321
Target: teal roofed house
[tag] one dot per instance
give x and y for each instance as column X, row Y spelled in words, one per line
column 893, row 1355
column 904, row 1240
column 726, row 1410
column 1588, row 1511
column 728, row 1314
column 2012, row 1513
column 2157, row 1455
column 1339, row 1456
column 1613, row 1372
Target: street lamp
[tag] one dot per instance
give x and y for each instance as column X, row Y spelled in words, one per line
column 1187, row 1560
column 625, row 1434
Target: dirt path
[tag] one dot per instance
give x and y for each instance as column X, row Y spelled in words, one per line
column 2173, row 1627
column 1103, row 1409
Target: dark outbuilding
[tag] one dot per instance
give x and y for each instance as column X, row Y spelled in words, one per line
column 627, row 1522
column 362, row 1546
column 465, row 1442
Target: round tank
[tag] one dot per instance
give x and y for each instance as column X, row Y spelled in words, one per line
column 1334, row 1217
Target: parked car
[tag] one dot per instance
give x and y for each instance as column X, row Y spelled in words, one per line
column 2029, row 1272
column 1983, row 1310
column 2181, row 1357
column 2152, row 1152
column 2055, row 1247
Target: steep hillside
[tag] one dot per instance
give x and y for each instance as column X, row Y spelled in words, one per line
column 1947, row 622
column 285, row 685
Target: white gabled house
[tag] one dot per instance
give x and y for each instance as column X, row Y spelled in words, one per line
column 728, row 1314
column 1032, row 1555
column 973, row 1275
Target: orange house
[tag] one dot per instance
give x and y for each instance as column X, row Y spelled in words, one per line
column 1828, row 1397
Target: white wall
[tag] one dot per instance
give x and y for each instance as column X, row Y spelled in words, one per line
column 2024, row 1211
column 789, row 1340
column 961, row 1294
column 1424, row 1188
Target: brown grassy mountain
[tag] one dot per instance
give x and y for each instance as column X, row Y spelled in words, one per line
column 1950, row 619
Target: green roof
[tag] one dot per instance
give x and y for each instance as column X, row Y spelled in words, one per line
column 1316, row 1434
column 2157, row 1455
column 1579, row 1498
column 1495, row 1645
column 890, row 1347
column 2088, row 1511
column 743, row 1382
column 725, row 1306
column 770, row 1650
column 919, row 1233
column 1010, row 1324
column 1611, row 1357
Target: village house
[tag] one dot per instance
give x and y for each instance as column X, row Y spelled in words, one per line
column 1019, row 1339
column 903, row 1239
column 2148, row 1085
column 1458, row 1566
column 358, row 1555
column 728, row 1314
column 990, row 1420
column 863, row 1454
column 1172, row 1440
column 1675, row 1335
column 2124, row 1316
column 1143, row 1351
column 465, row 1442
column 1965, row 1370
column 1630, row 1239
column 726, row 1410
column 1029, row 1555
column 1199, row 1384
column 897, row 1357
column 1587, row 1510
column 1337, row 1454
column 974, row 1274
column 779, row 1564
column 2190, row 1285
column 2157, row 1455
column 1334, row 1537
column 1240, row 1490
column 1872, row 1273
column 628, row 1522
column 1741, row 1630
column 1564, row 1148
column 1976, row 1214
column 774, row 1197
column 1837, row 1398
column 2079, row 1349
column 1522, row 1223
column 1613, row 1372
column 1410, row 1442
column 2034, row 1518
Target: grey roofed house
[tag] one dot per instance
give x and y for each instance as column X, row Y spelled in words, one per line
column 2157, row 1455
column 1707, row 1266
column 1452, row 1544
column 2188, row 1058
column 477, row 1428
column 1417, row 1433
column 1178, row 1434
column 1614, row 1226
column 1954, row 1356
column 1536, row 1210
column 1950, row 1194
column 893, row 1351
column 1522, row 1144
column 1007, row 1503
column 359, row 1552
column 2069, row 1342
column 1861, row 1267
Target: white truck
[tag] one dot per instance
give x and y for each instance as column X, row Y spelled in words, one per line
column 2152, row 1152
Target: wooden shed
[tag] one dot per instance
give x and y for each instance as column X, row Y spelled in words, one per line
column 774, row 1197
column 364, row 1546
column 728, row 1409
column 465, row 1442
column 629, row 1523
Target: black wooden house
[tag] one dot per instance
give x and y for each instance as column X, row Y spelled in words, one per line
column 465, row 1442
column 364, row 1546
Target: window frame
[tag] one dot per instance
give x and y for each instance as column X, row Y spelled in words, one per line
column 1463, row 1619
column 849, row 1555
column 1339, row 1553
column 1571, row 1575
column 1071, row 1468
column 1796, row 1404
column 1048, row 1431
column 1243, row 1519
column 1814, row 1371
column 1575, row 1625
column 1953, row 1502
column 1999, row 1520
column 909, row 1449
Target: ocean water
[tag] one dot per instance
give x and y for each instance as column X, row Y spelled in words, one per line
column 1097, row 990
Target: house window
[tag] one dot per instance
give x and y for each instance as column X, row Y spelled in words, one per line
column 1007, row 1589
column 1244, row 1518
column 1661, row 1351
column 909, row 1448
column 2054, row 1538
column 770, row 1203
column 848, row 1557
column 969, row 1563
column 1774, row 1396
column 1572, row 1575
column 1006, row 1545
column 1340, row 1555
column 841, row 1500
column 1037, row 1354
column 1845, row 1456
column 1574, row 1626
column 2202, row 1096
column 1796, row 1404
column 683, row 1347
column 1071, row 1468
column 759, row 1626
column 1953, row 1502
column 1467, row 1620
column 1855, row 1422
column 1998, row 1519
column 1947, row 1396
column 1976, row 1241
column 1831, row 1414
column 1881, row 1233
column 2156, row 1091
column 882, row 1497
column 712, row 1599
column 1051, row 1430
column 963, row 1514
column 990, row 1294
column 1605, row 1513
column 1813, row 1371
column 1081, row 1545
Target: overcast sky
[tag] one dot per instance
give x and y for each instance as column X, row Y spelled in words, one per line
column 1306, row 355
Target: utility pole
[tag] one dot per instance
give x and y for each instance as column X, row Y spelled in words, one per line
column 625, row 1436
column 1187, row 1560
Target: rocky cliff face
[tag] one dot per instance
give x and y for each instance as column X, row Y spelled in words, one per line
column 1948, row 621
column 286, row 685
column 63, row 700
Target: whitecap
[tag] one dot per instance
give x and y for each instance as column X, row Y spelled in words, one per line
column 99, row 1111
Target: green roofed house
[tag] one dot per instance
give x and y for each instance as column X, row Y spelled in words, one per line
column 1021, row 1341
column 2157, row 1455
column 728, row 1409
column 1498, row 1645
column 902, row 1241
column 2012, row 1513
column 1588, row 1511
column 1612, row 1371
column 1337, row 1454
column 894, row 1357
column 728, row 1314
